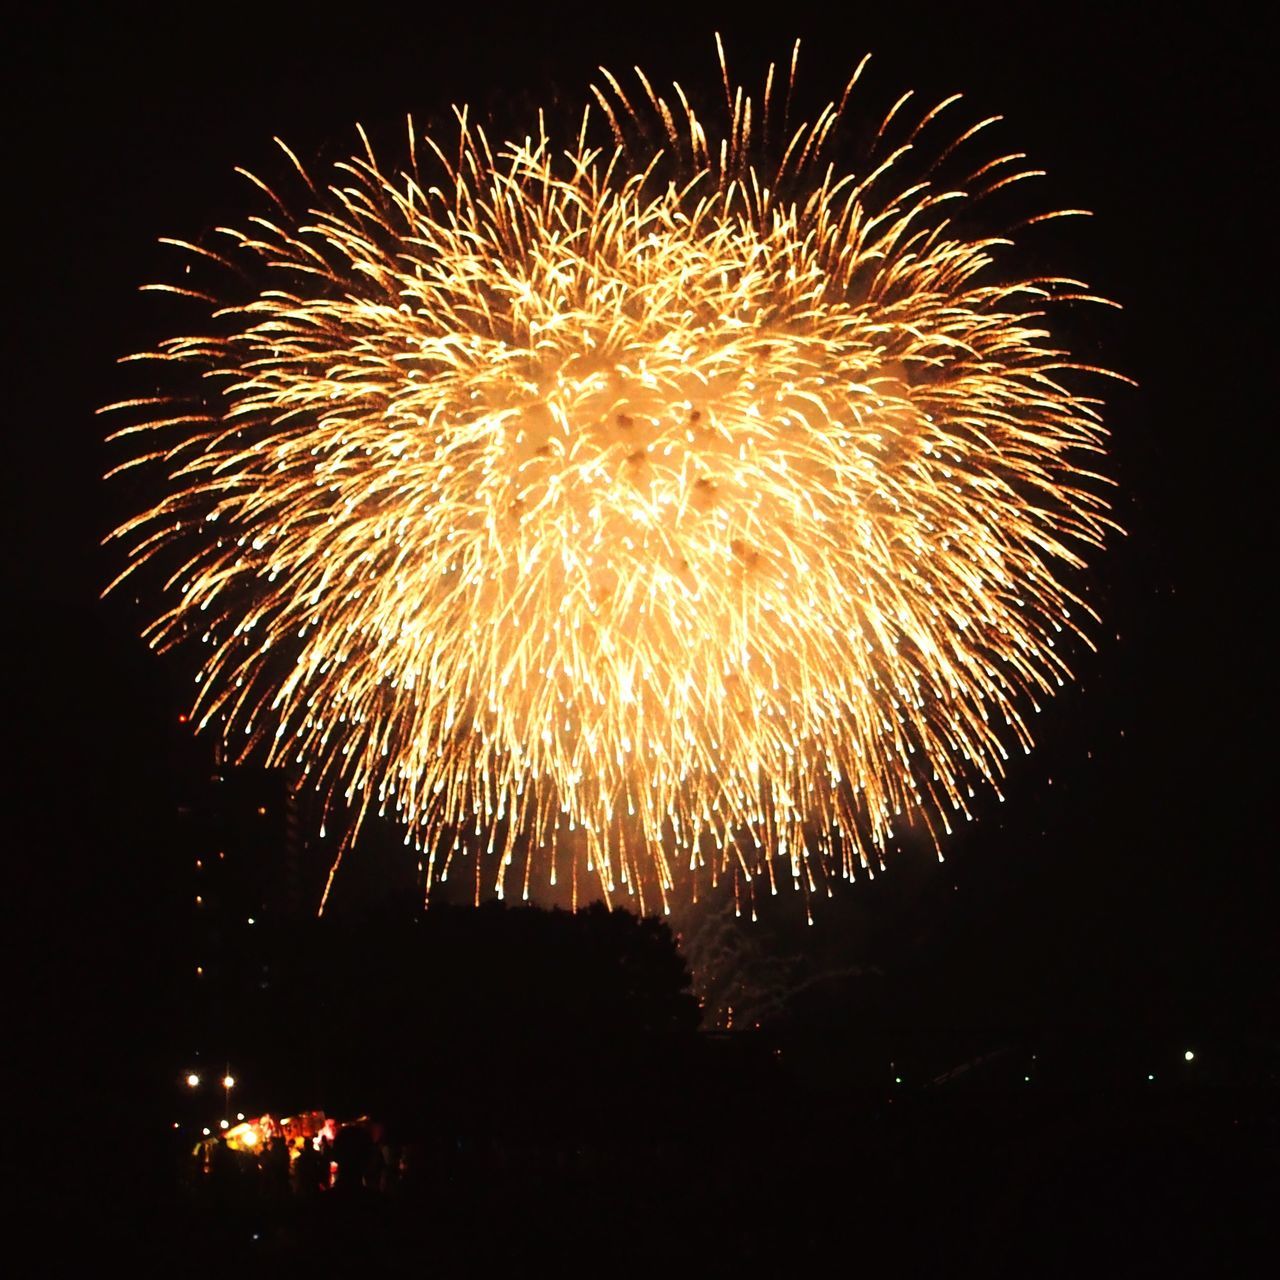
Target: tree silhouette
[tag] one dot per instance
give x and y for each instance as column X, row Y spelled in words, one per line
column 495, row 1015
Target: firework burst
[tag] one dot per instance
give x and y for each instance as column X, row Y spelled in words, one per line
column 639, row 510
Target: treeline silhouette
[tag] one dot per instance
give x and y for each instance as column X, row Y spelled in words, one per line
column 531, row 1089
column 491, row 1018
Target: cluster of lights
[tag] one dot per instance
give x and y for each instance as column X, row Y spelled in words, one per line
column 228, row 1082
column 194, row 1081
column 1188, row 1056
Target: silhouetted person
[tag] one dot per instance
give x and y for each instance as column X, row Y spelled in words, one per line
column 310, row 1172
column 275, row 1164
column 352, row 1150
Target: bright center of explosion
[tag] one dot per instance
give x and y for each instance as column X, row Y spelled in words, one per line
column 649, row 529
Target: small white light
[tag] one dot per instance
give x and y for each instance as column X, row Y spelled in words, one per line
column 228, row 1082
column 205, row 1131
column 193, row 1081
column 897, row 1079
column 224, row 1124
column 1150, row 1077
column 1188, row 1055
column 251, row 920
column 239, row 1115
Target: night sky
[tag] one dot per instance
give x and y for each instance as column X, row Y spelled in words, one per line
column 1125, row 882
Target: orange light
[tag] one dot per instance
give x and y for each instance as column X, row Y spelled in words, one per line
column 784, row 582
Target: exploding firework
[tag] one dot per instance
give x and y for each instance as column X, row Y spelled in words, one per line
column 642, row 509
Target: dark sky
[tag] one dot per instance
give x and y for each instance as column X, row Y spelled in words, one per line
column 1136, row 882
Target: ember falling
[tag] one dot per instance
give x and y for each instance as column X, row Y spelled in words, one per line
column 640, row 508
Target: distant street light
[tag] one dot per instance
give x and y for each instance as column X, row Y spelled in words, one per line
column 1188, row 1055
column 193, row 1081
column 228, row 1083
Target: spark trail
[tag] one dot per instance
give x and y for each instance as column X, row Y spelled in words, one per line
column 642, row 509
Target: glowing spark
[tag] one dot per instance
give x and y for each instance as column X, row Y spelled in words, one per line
column 657, row 511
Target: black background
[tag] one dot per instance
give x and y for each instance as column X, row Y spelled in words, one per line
column 1127, row 880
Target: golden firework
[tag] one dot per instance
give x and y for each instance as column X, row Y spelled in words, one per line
column 641, row 511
